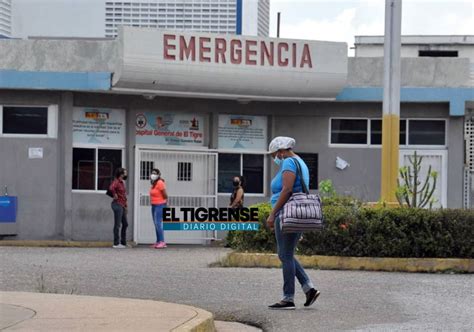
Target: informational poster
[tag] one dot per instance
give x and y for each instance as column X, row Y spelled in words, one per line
column 163, row 128
column 242, row 132
column 98, row 126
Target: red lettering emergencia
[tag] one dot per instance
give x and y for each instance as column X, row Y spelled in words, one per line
column 293, row 55
column 306, row 57
column 250, row 52
column 221, row 48
column 204, row 49
column 185, row 50
column 282, row 61
column 266, row 53
column 236, row 51
column 167, row 47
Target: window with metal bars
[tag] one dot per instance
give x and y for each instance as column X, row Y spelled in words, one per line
column 145, row 169
column 184, row 171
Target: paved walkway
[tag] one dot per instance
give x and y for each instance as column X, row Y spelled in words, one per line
column 350, row 300
column 54, row 312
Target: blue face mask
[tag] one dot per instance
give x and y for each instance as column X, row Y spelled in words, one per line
column 277, row 160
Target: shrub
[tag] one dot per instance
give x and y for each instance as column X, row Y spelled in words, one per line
column 262, row 240
column 353, row 230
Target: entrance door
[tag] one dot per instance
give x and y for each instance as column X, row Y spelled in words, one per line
column 439, row 163
column 191, row 181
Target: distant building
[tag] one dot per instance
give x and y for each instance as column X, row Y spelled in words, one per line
column 5, row 18
column 242, row 17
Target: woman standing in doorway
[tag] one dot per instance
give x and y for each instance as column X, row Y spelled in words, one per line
column 158, row 197
column 119, row 206
column 237, row 196
column 286, row 182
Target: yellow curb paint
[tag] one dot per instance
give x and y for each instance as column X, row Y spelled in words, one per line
column 382, row 205
column 55, row 243
column 356, row 263
column 390, row 152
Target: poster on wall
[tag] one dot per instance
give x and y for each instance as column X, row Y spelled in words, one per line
column 162, row 128
column 98, row 126
column 242, row 132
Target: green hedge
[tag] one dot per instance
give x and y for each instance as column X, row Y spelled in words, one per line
column 353, row 230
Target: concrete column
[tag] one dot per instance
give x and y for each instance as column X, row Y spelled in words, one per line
column 130, row 116
column 391, row 100
column 213, row 130
column 64, row 215
column 455, row 162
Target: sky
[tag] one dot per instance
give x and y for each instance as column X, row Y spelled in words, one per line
column 339, row 20
column 332, row 20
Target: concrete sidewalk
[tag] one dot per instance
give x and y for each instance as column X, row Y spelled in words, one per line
column 54, row 312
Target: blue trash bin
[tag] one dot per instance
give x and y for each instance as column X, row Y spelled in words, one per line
column 8, row 208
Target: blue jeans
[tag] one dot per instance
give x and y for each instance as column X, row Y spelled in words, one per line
column 120, row 219
column 286, row 244
column 157, row 214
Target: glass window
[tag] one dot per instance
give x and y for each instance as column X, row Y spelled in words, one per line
column 25, row 120
column 427, row 132
column 108, row 162
column 248, row 165
column 348, row 131
column 311, row 160
column 229, row 166
column 83, row 169
column 253, row 173
column 376, row 132
column 87, row 161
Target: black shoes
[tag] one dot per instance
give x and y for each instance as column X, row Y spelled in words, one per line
column 283, row 305
column 311, row 296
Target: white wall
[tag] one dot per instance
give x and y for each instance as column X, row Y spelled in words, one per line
column 411, row 51
column 52, row 18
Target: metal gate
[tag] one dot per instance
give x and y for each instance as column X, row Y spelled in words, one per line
column 438, row 160
column 191, row 181
column 469, row 162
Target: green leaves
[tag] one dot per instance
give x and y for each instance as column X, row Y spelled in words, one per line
column 326, row 188
column 354, row 230
column 412, row 192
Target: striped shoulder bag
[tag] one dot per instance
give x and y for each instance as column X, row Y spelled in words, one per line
column 303, row 211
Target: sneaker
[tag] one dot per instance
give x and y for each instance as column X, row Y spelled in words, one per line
column 154, row 245
column 119, row 246
column 283, row 305
column 160, row 245
column 311, row 296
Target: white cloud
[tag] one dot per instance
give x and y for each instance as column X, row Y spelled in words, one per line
column 337, row 29
column 367, row 18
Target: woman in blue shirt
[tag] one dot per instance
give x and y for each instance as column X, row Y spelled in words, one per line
column 285, row 182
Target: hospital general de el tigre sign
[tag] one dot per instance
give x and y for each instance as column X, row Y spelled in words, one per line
column 251, row 52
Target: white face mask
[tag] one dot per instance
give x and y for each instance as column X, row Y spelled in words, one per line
column 154, row 177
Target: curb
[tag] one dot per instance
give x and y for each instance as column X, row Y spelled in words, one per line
column 202, row 322
column 56, row 243
column 199, row 321
column 460, row 265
